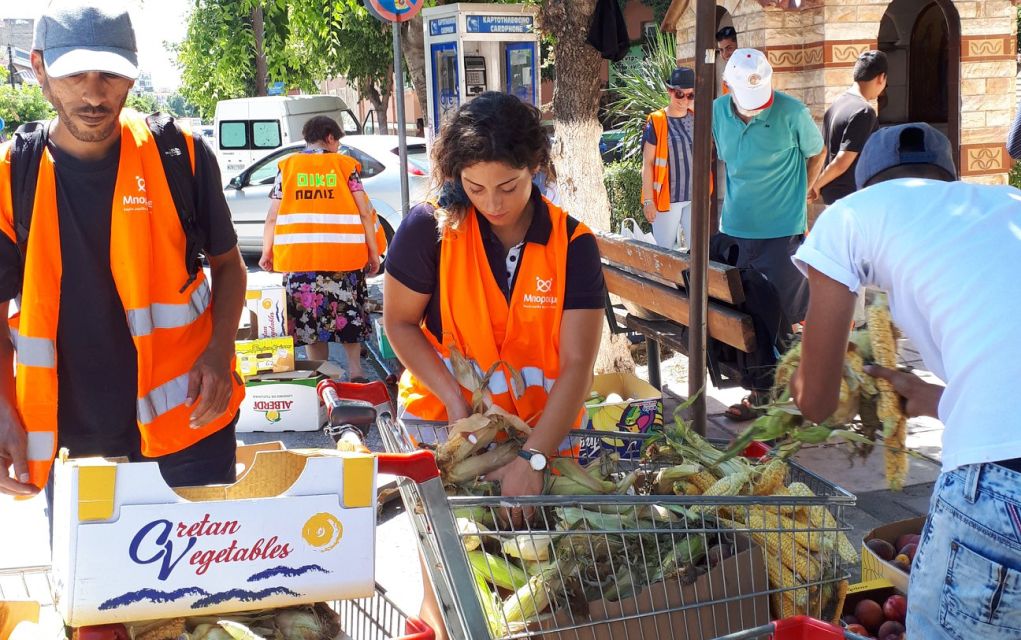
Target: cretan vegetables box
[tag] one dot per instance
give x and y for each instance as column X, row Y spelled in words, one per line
column 297, row 527
column 269, row 308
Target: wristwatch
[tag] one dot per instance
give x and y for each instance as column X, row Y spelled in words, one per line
column 536, row 459
column 645, row 202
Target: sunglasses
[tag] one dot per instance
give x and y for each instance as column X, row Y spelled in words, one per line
column 681, row 95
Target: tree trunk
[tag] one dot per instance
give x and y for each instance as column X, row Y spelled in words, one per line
column 415, row 57
column 258, row 29
column 380, row 102
column 576, row 92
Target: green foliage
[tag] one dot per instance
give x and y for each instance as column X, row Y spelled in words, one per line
column 218, row 55
column 1015, row 175
column 179, row 107
column 142, row 102
column 623, row 181
column 23, row 104
column 640, row 89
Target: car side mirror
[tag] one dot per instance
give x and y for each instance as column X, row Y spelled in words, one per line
column 235, row 183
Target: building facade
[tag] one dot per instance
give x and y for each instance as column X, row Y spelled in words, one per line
column 953, row 63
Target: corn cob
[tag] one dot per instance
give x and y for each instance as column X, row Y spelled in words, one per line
column 529, row 546
column 854, row 368
column 811, row 540
column 528, row 601
column 470, row 533
column 884, row 353
column 770, row 478
column 569, row 468
column 785, row 369
column 820, row 518
column 499, row 571
column 726, row 486
column 490, row 603
column 839, row 601
column 896, row 456
column 703, row 480
column 788, row 602
column 686, row 488
column 668, row 476
column 481, row 464
column 780, row 545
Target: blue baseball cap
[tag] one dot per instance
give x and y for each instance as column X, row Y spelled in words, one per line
column 78, row 36
column 912, row 143
column 681, row 78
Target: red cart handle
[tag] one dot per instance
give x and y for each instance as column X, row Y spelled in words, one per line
column 416, row 629
column 418, row 466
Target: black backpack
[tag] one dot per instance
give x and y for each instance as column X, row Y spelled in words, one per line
column 773, row 336
column 27, row 150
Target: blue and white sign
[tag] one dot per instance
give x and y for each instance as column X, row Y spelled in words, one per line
column 443, row 26
column 499, row 24
column 275, row 89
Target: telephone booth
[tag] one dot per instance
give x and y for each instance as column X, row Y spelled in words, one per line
column 472, row 48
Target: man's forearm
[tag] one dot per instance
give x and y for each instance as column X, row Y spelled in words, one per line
column 229, row 281
column 815, row 166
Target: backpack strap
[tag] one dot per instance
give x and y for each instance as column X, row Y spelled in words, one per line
column 177, row 167
column 26, row 153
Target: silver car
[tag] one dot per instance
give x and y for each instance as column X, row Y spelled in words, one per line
column 248, row 192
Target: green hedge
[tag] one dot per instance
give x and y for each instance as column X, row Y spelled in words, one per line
column 623, row 182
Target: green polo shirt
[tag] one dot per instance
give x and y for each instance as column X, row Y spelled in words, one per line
column 767, row 179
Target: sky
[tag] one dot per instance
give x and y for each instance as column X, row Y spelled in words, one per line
column 155, row 21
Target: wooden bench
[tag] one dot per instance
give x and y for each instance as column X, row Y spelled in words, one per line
column 636, row 271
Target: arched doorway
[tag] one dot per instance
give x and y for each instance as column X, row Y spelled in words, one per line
column 922, row 39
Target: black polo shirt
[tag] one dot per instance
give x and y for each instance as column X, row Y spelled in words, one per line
column 414, row 259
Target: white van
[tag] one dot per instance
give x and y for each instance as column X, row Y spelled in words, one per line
column 249, row 128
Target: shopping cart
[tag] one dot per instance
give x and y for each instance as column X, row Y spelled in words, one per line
column 374, row 618
column 796, row 628
column 623, row 595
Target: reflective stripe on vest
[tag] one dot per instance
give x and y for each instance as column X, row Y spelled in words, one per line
column 532, row 376
column 170, row 328
column 320, row 238
column 35, row 352
column 162, row 399
column 41, row 445
column 323, row 218
column 142, row 322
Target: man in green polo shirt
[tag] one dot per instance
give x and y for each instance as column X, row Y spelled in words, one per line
column 771, row 147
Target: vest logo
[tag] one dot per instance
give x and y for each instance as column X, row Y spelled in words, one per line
column 541, row 298
column 139, row 202
column 315, row 186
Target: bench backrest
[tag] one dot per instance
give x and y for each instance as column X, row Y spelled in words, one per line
column 654, row 278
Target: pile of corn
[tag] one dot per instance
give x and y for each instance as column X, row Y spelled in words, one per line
column 873, row 401
column 799, row 541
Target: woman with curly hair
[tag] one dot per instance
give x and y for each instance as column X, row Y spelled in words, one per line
column 496, row 271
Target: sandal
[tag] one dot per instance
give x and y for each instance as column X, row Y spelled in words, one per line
column 749, row 407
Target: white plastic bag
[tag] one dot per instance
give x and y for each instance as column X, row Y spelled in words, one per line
column 634, row 232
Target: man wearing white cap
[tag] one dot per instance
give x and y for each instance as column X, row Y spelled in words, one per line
column 771, row 146
column 124, row 347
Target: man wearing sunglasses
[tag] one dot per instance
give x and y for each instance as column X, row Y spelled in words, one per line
column 666, row 162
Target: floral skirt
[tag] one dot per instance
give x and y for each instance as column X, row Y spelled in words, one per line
column 327, row 306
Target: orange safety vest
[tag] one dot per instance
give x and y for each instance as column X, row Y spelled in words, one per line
column 318, row 225
column 661, row 165
column 478, row 320
column 170, row 328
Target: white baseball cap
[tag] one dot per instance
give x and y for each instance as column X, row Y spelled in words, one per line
column 750, row 79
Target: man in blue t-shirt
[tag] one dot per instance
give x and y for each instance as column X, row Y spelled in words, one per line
column 771, row 147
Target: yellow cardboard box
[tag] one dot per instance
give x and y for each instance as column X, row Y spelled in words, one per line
column 264, row 355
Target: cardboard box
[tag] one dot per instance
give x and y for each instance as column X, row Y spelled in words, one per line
column 276, row 402
column 642, row 413
column 297, row 527
column 270, row 308
column 385, row 350
column 734, row 580
column 274, row 355
column 872, row 567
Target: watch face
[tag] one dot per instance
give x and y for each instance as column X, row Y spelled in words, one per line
column 538, row 461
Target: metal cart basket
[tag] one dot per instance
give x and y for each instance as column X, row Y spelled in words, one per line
column 607, row 576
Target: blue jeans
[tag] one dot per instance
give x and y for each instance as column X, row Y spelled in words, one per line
column 966, row 576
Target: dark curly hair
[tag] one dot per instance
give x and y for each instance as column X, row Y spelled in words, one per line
column 318, row 127
column 493, row 127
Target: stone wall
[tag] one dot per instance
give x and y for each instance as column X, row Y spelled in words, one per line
column 813, row 50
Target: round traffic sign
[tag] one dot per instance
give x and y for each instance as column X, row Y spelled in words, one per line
column 394, row 10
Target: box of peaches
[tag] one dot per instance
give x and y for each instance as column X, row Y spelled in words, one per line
column 875, row 609
column 888, row 551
